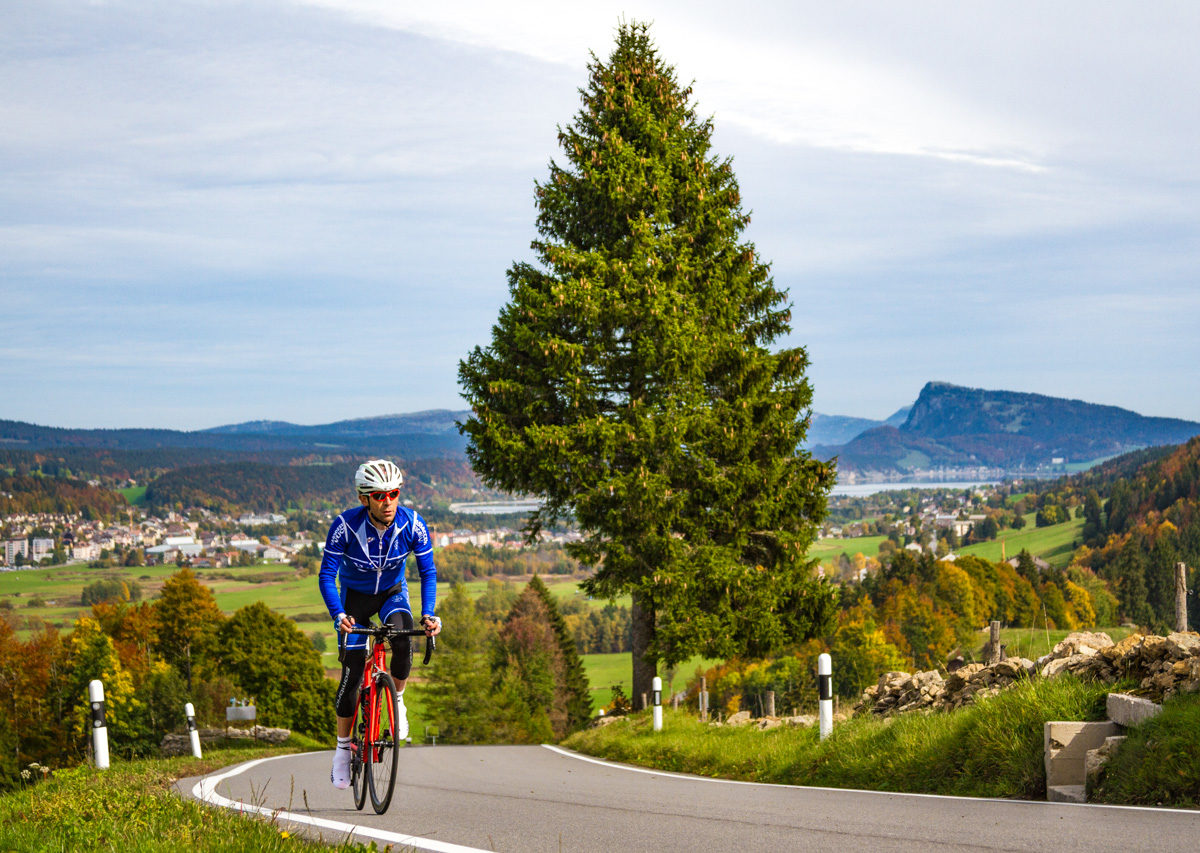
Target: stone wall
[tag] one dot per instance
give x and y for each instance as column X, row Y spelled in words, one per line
column 1162, row 666
column 181, row 744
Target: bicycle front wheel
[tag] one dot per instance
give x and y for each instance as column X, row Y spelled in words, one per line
column 380, row 758
column 358, row 776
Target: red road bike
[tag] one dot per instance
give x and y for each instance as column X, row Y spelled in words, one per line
column 374, row 734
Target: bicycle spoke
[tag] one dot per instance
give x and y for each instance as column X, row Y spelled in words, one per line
column 381, row 754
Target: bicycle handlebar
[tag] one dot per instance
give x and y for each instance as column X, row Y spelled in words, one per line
column 383, row 632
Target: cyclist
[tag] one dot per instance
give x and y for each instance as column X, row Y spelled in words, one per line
column 366, row 549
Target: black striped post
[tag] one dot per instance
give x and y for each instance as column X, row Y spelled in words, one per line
column 190, row 712
column 825, row 694
column 99, row 725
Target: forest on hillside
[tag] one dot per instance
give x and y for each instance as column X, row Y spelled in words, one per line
column 1142, row 515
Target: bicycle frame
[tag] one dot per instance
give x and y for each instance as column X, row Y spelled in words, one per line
column 374, row 746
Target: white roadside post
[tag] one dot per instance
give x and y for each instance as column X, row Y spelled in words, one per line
column 99, row 727
column 657, row 703
column 825, row 693
column 192, row 733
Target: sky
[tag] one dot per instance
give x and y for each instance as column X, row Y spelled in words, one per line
column 304, row 210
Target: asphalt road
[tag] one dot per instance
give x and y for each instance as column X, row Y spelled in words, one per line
column 532, row 798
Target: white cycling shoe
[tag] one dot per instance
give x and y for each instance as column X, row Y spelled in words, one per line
column 340, row 774
column 401, row 719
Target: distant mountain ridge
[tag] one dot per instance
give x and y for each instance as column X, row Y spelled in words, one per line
column 839, row 429
column 430, row 421
column 972, row 429
column 949, row 432
column 424, row 434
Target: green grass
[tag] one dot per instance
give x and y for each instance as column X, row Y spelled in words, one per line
column 605, row 670
column 991, row 749
column 826, row 550
column 1054, row 544
column 1159, row 763
column 135, row 495
column 130, row 807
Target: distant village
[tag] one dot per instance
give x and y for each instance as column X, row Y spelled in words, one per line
column 198, row 539
column 203, row 539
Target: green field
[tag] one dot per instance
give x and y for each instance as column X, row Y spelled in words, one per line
column 603, row 671
column 826, row 550
column 1054, row 544
column 134, row 495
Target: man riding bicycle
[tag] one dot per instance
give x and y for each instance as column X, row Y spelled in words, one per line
column 366, row 549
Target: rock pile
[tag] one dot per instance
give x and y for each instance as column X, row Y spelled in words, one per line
column 181, row 744
column 1162, row 666
column 743, row 718
column 898, row 692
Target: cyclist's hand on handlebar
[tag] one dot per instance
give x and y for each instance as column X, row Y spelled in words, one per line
column 432, row 625
column 346, row 624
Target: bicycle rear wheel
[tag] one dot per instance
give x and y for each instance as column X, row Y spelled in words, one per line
column 358, row 775
column 380, row 758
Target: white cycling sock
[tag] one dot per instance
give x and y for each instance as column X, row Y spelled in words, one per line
column 343, row 742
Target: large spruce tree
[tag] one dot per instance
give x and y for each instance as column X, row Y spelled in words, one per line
column 631, row 384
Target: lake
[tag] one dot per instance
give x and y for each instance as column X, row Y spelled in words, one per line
column 853, row 490
column 861, row 490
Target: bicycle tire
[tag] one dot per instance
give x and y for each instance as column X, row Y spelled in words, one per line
column 358, row 773
column 380, row 759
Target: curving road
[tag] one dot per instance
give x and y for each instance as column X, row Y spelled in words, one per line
column 531, row 798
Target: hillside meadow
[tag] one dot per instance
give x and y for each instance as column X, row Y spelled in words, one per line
column 53, row 594
column 1054, row 544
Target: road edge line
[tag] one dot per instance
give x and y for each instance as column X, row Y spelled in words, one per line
column 206, row 792
column 634, row 769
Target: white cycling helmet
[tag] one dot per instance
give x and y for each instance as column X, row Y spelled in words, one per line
column 377, row 475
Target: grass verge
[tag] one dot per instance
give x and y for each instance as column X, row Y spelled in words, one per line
column 130, row 807
column 991, row 749
column 1158, row 764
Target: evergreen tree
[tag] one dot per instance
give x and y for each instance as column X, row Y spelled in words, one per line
column 1093, row 515
column 457, row 687
column 529, row 674
column 576, row 687
column 629, row 381
column 1130, row 571
column 1160, row 578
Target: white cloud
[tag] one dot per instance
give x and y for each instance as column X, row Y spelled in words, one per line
column 797, row 91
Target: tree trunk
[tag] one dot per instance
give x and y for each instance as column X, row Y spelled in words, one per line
column 643, row 670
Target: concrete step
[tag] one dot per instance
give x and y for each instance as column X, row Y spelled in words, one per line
column 1065, row 794
column 1066, row 748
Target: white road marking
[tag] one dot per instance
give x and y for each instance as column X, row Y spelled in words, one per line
column 1188, row 812
column 206, row 791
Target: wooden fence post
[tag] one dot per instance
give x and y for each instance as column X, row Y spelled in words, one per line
column 994, row 644
column 1180, row 597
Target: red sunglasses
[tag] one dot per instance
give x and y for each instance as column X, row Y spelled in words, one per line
column 382, row 496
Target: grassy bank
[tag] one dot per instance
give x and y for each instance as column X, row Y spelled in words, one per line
column 992, row 749
column 1159, row 763
column 130, row 807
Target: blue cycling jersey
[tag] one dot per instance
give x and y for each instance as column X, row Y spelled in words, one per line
column 373, row 562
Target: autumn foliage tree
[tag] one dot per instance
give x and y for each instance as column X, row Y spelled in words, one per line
column 631, row 381
column 187, row 617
